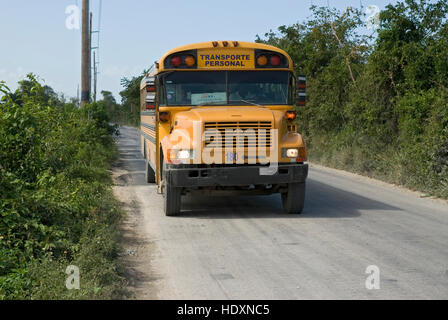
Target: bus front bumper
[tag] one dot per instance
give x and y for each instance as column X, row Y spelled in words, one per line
column 196, row 176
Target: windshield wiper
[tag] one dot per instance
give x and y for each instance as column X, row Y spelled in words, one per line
column 249, row 102
column 224, row 103
column 210, row 103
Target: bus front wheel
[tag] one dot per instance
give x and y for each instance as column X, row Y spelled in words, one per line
column 171, row 197
column 294, row 199
column 150, row 175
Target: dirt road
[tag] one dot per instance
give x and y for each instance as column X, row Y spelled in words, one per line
column 247, row 248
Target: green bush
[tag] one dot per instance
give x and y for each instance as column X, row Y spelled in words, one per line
column 55, row 202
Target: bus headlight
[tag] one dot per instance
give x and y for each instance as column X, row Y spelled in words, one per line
column 292, row 153
column 183, row 154
column 176, row 154
column 299, row 154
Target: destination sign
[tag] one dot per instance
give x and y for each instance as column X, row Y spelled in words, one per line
column 224, row 59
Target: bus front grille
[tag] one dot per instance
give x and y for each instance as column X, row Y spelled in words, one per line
column 241, row 134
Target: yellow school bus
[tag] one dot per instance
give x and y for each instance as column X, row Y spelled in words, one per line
column 218, row 117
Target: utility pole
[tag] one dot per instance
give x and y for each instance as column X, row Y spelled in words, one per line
column 85, row 54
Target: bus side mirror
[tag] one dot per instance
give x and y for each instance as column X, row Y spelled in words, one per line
column 301, row 91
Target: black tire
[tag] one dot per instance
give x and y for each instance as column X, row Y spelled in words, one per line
column 293, row 200
column 150, row 176
column 171, row 196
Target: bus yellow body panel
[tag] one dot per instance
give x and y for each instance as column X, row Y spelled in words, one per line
column 207, row 97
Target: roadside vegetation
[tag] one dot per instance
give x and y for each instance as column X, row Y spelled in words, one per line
column 378, row 104
column 128, row 112
column 56, row 204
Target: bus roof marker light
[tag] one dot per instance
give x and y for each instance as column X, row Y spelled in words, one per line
column 190, row 61
column 176, row 61
column 262, row 60
column 235, row 43
column 225, row 43
column 275, row 60
column 215, row 43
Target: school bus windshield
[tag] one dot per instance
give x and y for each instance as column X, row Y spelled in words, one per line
column 197, row 88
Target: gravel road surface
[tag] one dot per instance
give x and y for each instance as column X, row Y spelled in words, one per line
column 245, row 247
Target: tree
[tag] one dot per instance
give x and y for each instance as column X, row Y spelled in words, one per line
column 376, row 105
column 130, row 99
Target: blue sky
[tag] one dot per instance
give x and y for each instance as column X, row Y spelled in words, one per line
column 34, row 37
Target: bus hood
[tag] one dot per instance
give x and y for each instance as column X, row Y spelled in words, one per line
column 226, row 114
